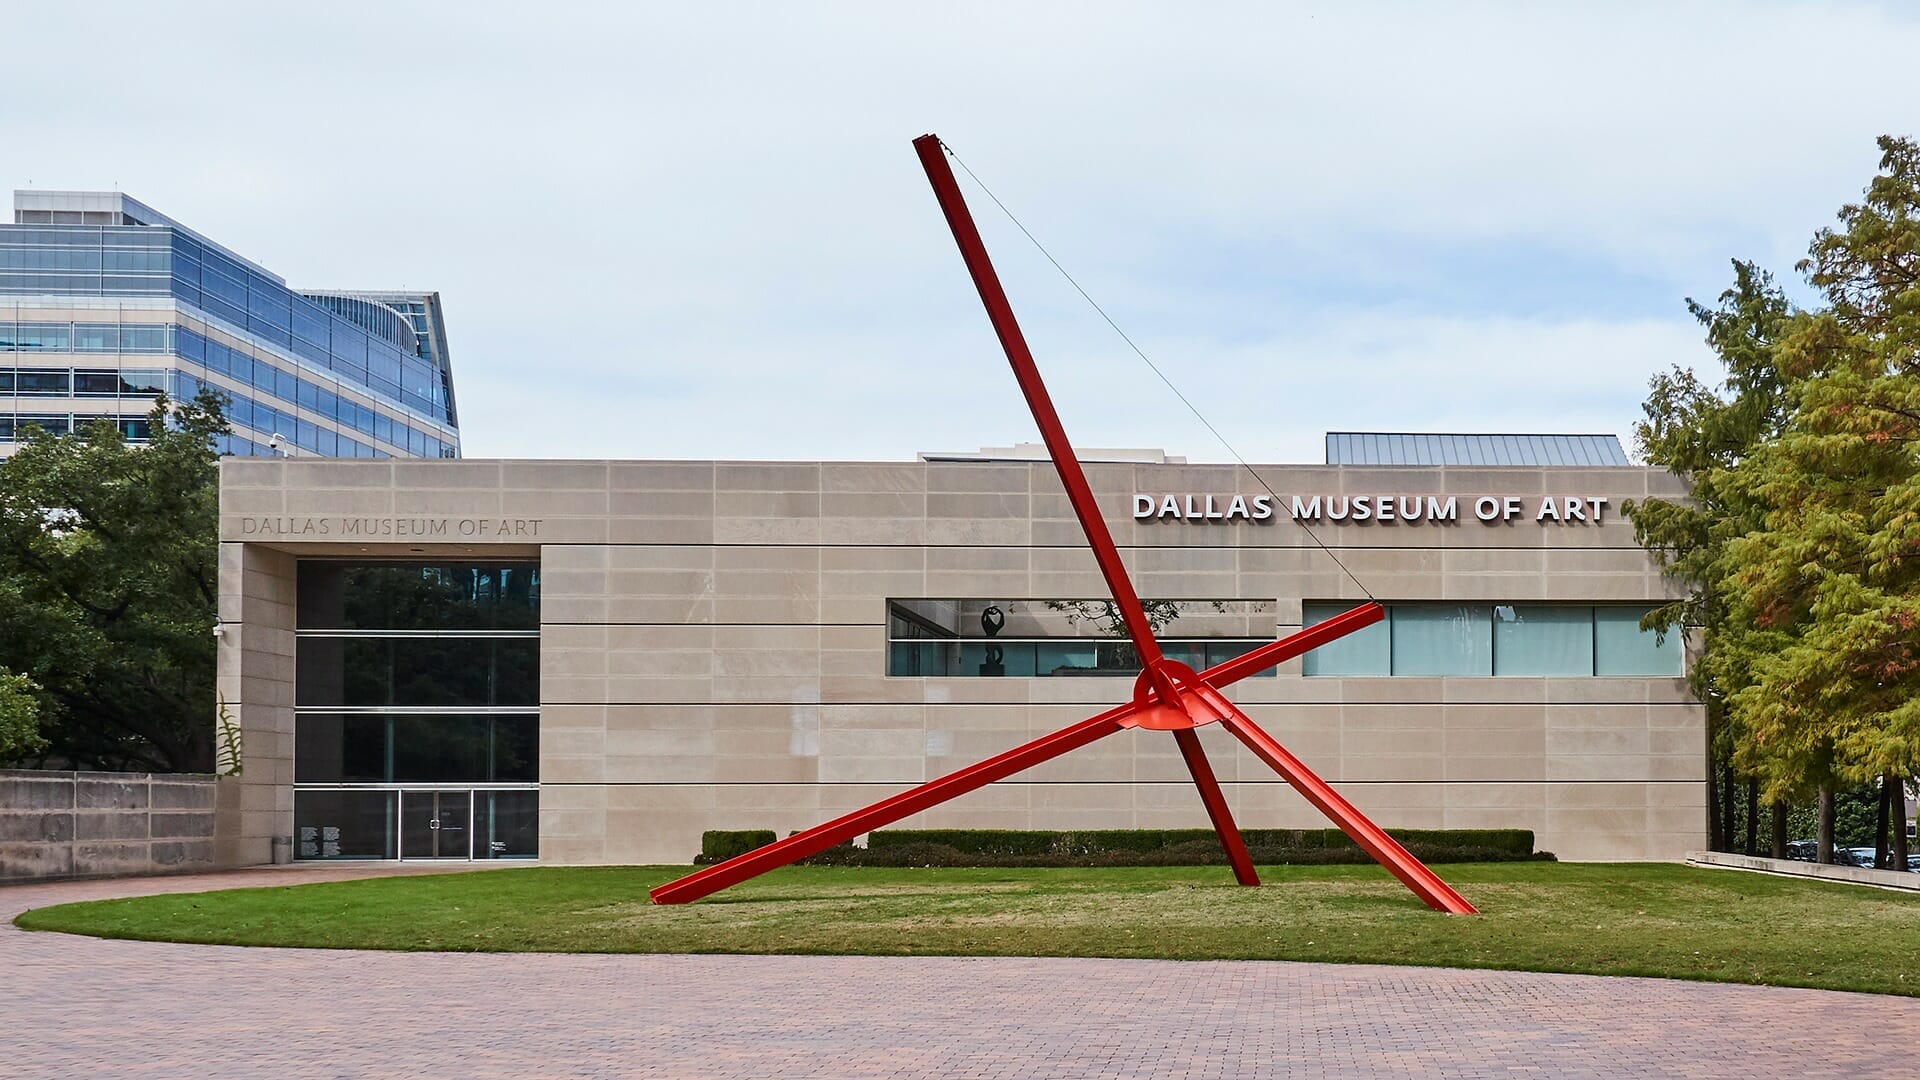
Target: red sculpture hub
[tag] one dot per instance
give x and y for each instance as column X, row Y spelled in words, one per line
column 1171, row 697
column 1168, row 695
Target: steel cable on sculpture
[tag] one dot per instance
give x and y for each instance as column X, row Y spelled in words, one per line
column 1167, row 696
column 1153, row 367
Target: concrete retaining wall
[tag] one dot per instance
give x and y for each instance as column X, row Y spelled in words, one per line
column 103, row 824
column 1855, row 875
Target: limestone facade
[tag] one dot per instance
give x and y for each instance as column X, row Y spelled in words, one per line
column 714, row 644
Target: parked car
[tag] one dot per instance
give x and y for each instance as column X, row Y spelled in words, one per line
column 1854, row 856
column 1803, row 850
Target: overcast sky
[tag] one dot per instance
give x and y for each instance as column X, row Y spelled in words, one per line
column 661, row 231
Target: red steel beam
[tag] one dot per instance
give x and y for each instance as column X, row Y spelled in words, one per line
column 1159, row 673
column 1216, row 804
column 821, row 837
column 1385, row 850
column 1296, row 644
column 974, row 252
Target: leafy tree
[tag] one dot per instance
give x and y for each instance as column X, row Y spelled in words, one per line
column 19, row 716
column 1801, row 541
column 1839, row 556
column 1705, row 433
column 108, row 588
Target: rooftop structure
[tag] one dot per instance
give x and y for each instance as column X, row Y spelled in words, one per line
column 1532, row 451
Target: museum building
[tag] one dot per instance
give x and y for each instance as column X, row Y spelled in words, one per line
column 594, row 661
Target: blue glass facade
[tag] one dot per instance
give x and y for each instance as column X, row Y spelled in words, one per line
column 334, row 375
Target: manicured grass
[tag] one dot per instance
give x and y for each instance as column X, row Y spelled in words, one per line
column 1611, row 919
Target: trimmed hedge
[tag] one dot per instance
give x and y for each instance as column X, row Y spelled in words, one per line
column 1020, row 842
column 719, row 845
column 1205, row 852
column 1129, row 847
column 1163, row 847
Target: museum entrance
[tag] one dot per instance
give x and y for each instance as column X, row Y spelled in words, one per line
column 436, row 824
column 417, row 711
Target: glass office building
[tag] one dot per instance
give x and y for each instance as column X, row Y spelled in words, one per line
column 105, row 303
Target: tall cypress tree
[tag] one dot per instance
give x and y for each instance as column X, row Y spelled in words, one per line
column 1704, row 433
column 1836, row 564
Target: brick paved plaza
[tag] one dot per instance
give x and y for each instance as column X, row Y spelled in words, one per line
column 82, row 1007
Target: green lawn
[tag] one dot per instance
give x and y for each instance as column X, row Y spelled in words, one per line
column 1612, row 919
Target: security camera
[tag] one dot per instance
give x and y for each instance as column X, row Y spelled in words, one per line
column 274, row 440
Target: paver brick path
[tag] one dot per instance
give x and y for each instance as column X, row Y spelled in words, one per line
column 74, row 1006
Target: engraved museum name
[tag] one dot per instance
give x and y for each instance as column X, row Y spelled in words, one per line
column 394, row 528
column 1386, row 508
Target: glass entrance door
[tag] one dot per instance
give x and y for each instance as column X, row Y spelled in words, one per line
column 436, row 825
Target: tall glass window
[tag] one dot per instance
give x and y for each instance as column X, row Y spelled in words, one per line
column 416, row 728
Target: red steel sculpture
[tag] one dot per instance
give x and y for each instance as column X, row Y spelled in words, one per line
column 1167, row 696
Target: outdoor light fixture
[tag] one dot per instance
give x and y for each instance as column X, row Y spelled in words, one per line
column 1167, row 696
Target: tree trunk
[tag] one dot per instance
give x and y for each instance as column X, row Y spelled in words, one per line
column 1900, row 850
column 1753, row 817
column 1823, row 843
column 1716, row 832
column 1880, row 822
column 1729, row 796
column 1779, row 830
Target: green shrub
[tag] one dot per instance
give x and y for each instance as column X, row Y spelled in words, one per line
column 1163, row 847
column 967, row 841
column 1191, row 853
column 719, row 845
column 1511, row 841
column 1038, row 842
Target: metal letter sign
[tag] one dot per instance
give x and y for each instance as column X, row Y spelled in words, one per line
column 1167, row 696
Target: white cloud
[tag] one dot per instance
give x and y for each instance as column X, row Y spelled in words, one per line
column 676, row 230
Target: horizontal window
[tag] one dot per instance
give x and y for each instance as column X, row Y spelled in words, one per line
column 1032, row 659
column 53, row 425
column 96, row 337
column 408, row 596
column 43, row 382
column 146, row 339
column 417, row 671
column 133, row 428
column 965, row 638
column 36, row 337
column 118, row 383
column 1514, row 640
column 387, row 748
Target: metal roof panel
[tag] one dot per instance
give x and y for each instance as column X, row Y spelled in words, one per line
column 1505, row 450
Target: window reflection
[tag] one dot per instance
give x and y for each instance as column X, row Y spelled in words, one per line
column 1499, row 639
column 966, row 638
